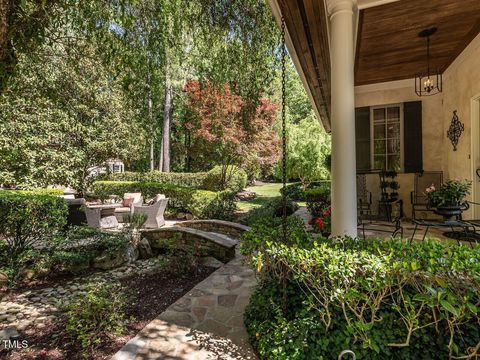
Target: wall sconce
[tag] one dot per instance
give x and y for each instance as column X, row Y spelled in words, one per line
column 455, row 130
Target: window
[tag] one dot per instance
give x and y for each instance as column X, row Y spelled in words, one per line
column 386, row 126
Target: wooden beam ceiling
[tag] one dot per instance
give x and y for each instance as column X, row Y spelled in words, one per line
column 388, row 46
column 306, row 22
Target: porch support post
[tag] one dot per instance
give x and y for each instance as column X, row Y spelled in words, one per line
column 344, row 192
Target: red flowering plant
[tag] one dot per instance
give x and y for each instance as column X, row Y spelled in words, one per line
column 322, row 223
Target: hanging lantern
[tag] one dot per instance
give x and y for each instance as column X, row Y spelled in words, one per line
column 431, row 82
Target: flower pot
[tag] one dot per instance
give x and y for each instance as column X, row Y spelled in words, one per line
column 451, row 212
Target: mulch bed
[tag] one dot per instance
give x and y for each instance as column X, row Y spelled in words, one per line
column 149, row 295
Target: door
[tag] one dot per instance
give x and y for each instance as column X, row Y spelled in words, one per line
column 476, row 155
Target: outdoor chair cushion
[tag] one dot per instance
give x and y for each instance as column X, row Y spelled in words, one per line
column 137, row 198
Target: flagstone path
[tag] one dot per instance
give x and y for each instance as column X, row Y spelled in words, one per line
column 206, row 323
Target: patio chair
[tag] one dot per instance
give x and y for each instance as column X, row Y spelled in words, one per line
column 364, row 198
column 422, row 181
column 121, row 211
column 154, row 212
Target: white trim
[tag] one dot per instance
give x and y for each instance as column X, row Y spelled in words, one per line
column 372, row 140
column 365, row 4
column 475, row 154
column 390, row 85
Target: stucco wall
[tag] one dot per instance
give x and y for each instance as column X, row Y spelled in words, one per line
column 461, row 82
column 432, row 130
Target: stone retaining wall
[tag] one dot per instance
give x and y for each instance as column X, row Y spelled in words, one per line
column 204, row 243
column 228, row 228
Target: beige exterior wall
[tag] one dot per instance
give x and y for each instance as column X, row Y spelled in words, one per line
column 461, row 82
column 432, row 130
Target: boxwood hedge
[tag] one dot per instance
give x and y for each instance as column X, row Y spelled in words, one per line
column 200, row 203
column 236, row 179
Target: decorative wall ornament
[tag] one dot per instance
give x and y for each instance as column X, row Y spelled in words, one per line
column 455, row 130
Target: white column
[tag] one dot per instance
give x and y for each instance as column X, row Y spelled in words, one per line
column 344, row 192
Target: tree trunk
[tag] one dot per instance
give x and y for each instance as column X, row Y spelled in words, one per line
column 160, row 157
column 167, row 115
column 150, row 116
column 5, row 8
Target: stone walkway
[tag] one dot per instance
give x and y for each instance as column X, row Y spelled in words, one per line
column 206, row 323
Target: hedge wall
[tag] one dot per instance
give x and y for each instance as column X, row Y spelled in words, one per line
column 193, row 180
column 202, row 204
column 210, row 180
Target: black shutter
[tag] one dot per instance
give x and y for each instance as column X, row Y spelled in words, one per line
column 362, row 135
column 412, row 138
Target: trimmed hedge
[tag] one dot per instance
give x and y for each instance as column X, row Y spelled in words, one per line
column 383, row 299
column 200, row 203
column 28, row 219
column 211, row 180
column 193, row 180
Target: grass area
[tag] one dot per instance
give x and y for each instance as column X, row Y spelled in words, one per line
column 264, row 194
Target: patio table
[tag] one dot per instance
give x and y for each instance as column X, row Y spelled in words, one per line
column 451, row 224
column 105, row 209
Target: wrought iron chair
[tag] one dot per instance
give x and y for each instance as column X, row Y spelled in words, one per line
column 364, row 198
column 422, row 181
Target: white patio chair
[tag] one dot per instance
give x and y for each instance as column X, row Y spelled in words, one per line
column 121, row 211
column 154, row 212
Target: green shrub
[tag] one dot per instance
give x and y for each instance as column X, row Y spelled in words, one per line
column 234, row 179
column 273, row 208
column 29, row 218
column 318, row 200
column 383, row 299
column 269, row 230
column 192, row 180
column 297, row 192
column 93, row 316
column 200, row 203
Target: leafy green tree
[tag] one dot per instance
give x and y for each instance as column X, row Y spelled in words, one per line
column 61, row 117
column 307, row 147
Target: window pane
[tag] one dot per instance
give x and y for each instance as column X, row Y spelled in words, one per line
column 379, row 147
column 379, row 162
column 379, row 131
column 393, row 113
column 393, row 130
column 393, row 146
column 378, row 114
column 394, row 162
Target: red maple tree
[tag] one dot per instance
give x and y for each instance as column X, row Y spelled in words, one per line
column 226, row 130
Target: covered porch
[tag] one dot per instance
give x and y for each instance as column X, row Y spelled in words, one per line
column 358, row 61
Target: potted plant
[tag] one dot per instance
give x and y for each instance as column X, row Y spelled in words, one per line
column 394, row 185
column 449, row 199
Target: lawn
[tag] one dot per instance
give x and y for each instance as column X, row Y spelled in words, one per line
column 265, row 192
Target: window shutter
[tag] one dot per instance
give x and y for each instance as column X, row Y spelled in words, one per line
column 412, row 138
column 362, row 136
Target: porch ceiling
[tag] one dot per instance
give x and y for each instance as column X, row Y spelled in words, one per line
column 388, row 46
column 306, row 23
